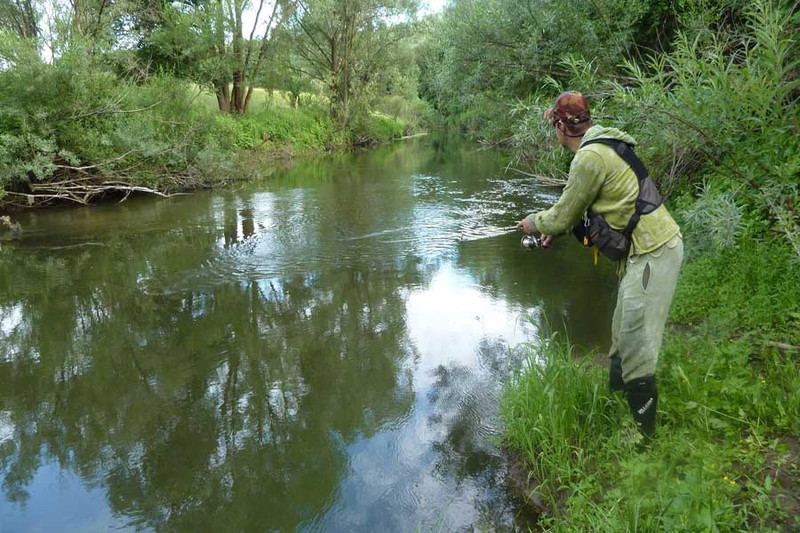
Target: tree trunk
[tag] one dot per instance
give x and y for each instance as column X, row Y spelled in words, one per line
column 223, row 96
column 23, row 19
column 238, row 100
column 348, row 30
column 287, row 12
column 221, row 83
column 248, row 97
column 334, row 77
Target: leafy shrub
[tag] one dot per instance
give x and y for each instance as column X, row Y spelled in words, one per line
column 718, row 113
column 749, row 287
column 77, row 117
column 375, row 128
column 713, row 222
column 719, row 415
column 52, row 114
column 239, row 131
column 26, row 156
column 306, row 128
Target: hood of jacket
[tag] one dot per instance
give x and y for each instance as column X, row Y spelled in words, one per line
column 601, row 132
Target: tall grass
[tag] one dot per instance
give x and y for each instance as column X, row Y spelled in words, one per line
column 719, row 418
column 748, row 289
column 555, row 412
column 727, row 416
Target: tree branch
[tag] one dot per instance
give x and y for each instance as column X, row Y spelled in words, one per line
column 114, row 111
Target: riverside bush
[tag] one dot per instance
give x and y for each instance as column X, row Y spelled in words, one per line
column 751, row 287
column 375, row 128
column 720, row 110
column 720, row 416
column 728, row 410
column 76, row 118
column 91, row 117
column 306, row 128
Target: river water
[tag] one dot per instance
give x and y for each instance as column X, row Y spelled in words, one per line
column 319, row 350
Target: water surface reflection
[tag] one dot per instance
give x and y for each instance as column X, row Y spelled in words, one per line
column 322, row 351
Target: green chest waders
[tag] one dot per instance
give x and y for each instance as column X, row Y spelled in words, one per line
column 641, row 393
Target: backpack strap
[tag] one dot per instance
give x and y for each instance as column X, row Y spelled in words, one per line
column 648, row 198
column 625, row 151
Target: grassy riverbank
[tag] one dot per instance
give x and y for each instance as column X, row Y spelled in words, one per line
column 712, row 97
column 727, row 457
column 74, row 131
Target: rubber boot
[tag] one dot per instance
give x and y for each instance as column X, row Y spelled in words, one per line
column 642, row 396
column 615, row 382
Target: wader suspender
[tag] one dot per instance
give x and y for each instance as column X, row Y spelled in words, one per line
column 648, row 198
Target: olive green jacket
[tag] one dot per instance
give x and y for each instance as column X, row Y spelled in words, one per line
column 599, row 179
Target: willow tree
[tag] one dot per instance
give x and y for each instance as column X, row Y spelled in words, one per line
column 20, row 17
column 208, row 41
column 344, row 43
column 247, row 56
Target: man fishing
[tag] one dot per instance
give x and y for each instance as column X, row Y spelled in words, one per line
column 610, row 200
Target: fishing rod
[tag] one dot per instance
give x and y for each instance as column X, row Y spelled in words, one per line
column 528, row 241
column 475, row 234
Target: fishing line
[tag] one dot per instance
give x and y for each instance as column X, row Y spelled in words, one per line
column 467, row 235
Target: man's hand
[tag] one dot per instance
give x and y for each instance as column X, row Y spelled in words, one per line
column 526, row 226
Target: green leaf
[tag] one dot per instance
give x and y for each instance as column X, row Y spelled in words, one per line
column 716, row 423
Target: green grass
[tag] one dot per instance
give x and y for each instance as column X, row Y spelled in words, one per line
column 375, row 128
column 260, row 100
column 750, row 288
column 304, row 129
column 176, row 140
column 728, row 410
column 273, row 122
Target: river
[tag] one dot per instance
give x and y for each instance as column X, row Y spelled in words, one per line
column 322, row 349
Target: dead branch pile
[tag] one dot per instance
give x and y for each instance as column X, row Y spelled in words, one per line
column 76, row 185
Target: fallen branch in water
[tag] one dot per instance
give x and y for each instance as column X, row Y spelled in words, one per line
column 78, row 192
column 544, row 180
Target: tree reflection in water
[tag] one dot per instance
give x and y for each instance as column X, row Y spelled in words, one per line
column 250, row 360
column 221, row 408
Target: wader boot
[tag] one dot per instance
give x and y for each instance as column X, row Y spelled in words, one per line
column 642, row 398
column 615, row 382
